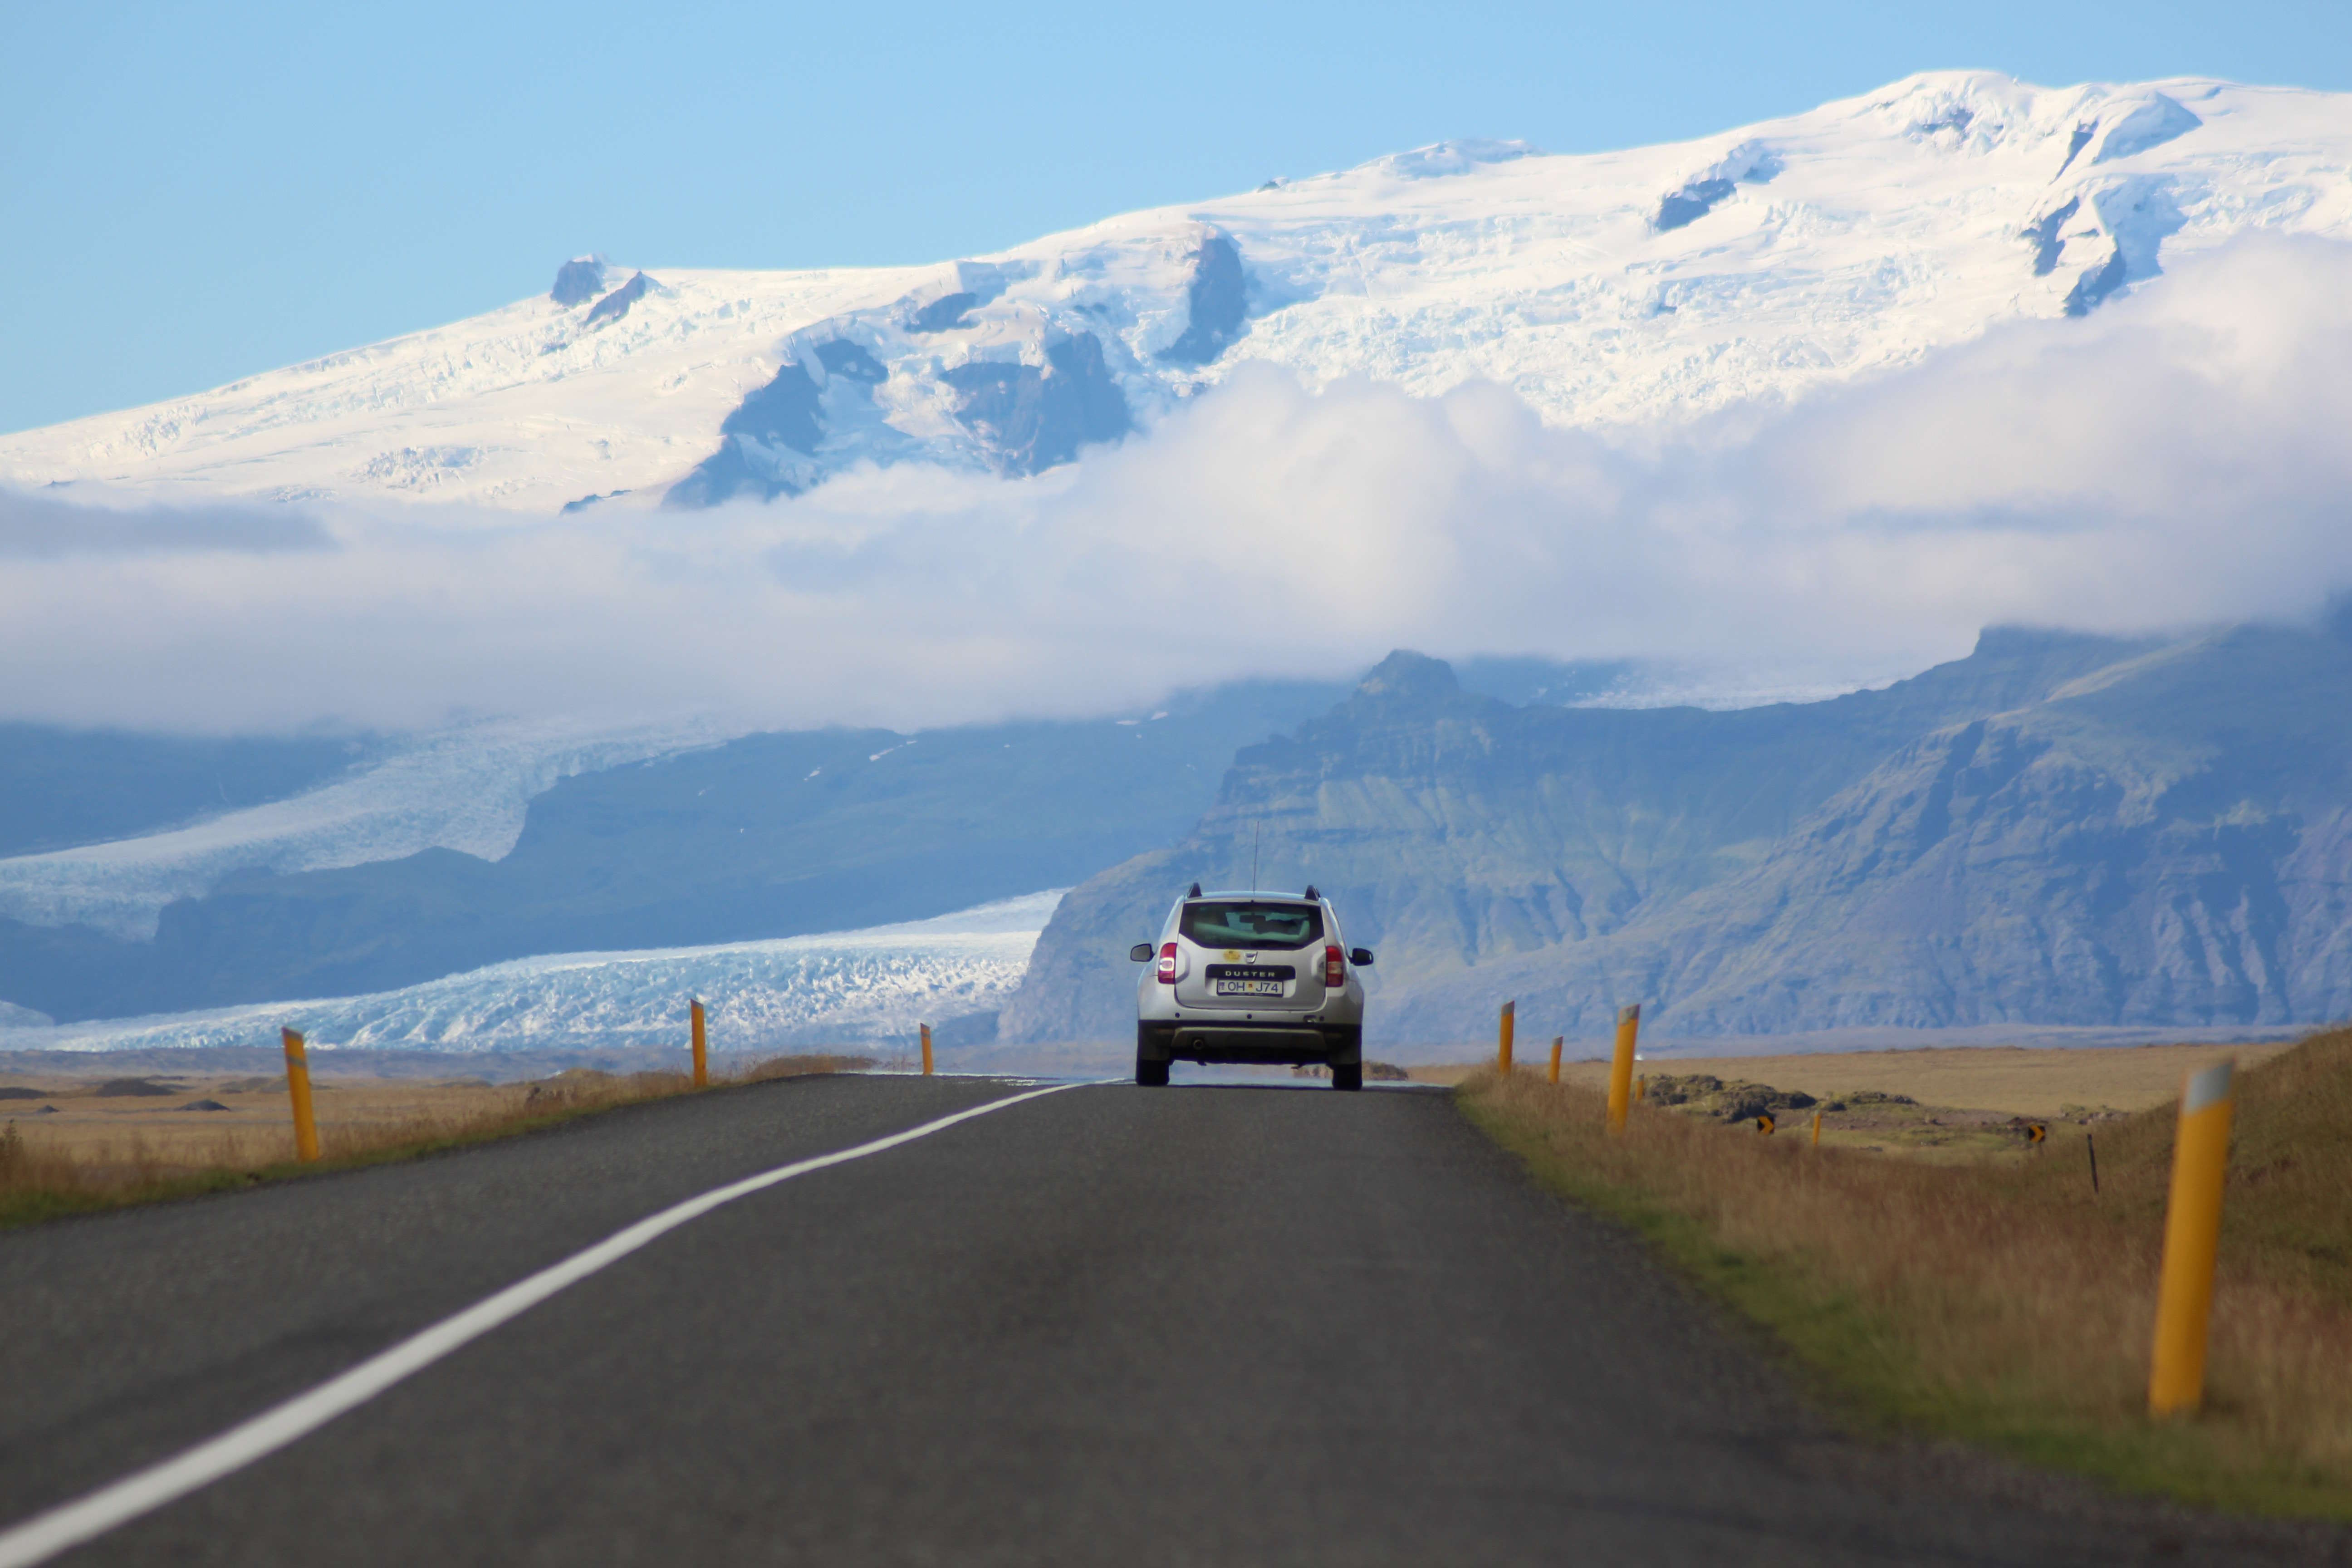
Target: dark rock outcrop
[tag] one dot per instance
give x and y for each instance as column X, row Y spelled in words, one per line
column 1680, row 208
column 786, row 414
column 2043, row 233
column 1216, row 302
column 616, row 305
column 578, row 280
column 1750, row 163
column 840, row 356
column 2096, row 283
column 1029, row 418
column 2075, row 144
column 786, row 417
column 942, row 314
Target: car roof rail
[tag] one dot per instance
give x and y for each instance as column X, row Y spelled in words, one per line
column 1310, row 892
column 1194, row 891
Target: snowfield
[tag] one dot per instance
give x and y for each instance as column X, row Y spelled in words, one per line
column 858, row 987
column 1614, row 291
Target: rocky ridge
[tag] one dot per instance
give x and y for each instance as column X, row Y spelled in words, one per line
column 2057, row 830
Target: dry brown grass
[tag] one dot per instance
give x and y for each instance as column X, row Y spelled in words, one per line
column 46, row 1172
column 2013, row 1080
column 2001, row 1299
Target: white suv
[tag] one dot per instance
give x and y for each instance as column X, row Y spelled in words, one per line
column 1250, row 977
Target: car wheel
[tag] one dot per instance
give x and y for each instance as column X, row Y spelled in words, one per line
column 1151, row 1054
column 1350, row 1076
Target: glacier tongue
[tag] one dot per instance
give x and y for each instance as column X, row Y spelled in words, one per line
column 858, row 987
column 465, row 789
column 1612, row 290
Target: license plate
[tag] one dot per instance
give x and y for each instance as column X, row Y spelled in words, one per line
column 1249, row 979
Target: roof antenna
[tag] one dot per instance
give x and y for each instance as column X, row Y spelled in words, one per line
column 1253, row 827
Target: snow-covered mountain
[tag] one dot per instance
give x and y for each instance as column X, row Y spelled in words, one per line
column 1611, row 290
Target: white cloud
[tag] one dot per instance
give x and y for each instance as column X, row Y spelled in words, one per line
column 2177, row 458
column 36, row 525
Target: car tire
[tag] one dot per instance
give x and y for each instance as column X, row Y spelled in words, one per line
column 1151, row 1054
column 1349, row 1075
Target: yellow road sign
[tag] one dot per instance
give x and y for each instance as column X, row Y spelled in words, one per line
column 1764, row 1124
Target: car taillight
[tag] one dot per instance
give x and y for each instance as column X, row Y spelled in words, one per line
column 1167, row 963
column 1334, row 969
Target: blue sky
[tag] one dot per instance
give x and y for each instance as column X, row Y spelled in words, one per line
column 190, row 195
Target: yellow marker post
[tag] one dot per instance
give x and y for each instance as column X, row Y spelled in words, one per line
column 298, row 1089
column 701, row 1049
column 1557, row 1041
column 1817, row 1129
column 2193, row 1234
column 1642, row 1090
column 1503, row 1047
column 926, row 1050
column 1621, row 1071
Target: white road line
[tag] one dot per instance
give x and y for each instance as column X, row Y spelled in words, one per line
column 44, row 1535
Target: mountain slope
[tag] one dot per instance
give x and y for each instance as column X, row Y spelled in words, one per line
column 60, row 788
column 2169, row 842
column 767, row 836
column 2057, row 830
column 1610, row 289
column 466, row 788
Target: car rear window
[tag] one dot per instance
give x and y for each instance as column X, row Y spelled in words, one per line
column 1249, row 923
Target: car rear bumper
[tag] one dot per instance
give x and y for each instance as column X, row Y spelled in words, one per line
column 1273, row 1043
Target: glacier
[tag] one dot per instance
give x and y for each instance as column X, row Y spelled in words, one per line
column 855, row 988
column 465, row 788
column 1614, row 291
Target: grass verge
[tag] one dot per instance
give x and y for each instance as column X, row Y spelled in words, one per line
column 39, row 1183
column 2002, row 1300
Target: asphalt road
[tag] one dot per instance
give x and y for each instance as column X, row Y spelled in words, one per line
column 1186, row 1326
